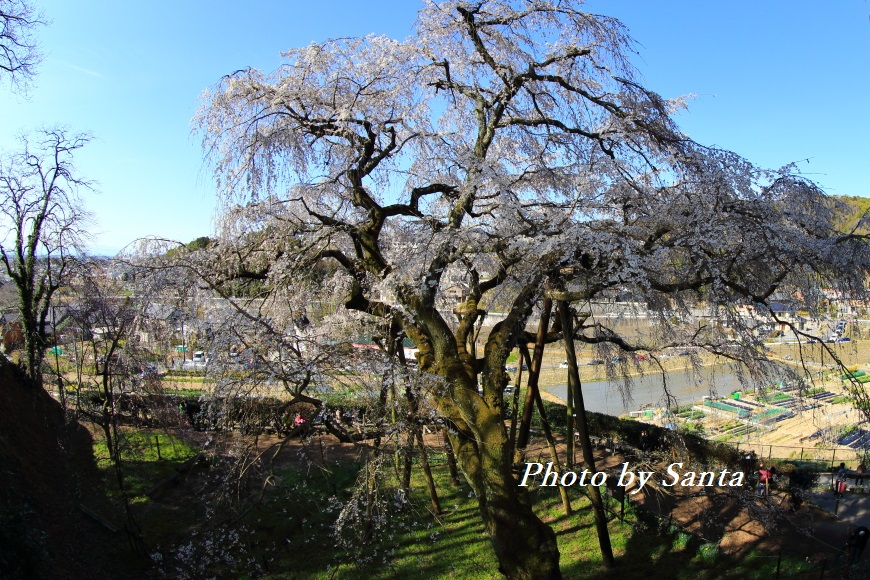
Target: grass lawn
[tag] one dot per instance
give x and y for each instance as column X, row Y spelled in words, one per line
column 299, row 514
column 291, row 532
column 147, row 457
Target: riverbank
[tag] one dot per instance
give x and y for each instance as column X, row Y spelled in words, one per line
column 810, row 429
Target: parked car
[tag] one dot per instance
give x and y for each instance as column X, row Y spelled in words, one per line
column 563, row 364
column 595, row 361
column 844, row 339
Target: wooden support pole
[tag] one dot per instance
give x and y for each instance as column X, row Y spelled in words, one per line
column 515, row 399
column 582, row 428
column 551, row 443
column 427, row 474
column 534, row 374
column 451, row 458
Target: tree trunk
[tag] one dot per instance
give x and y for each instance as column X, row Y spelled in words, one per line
column 571, row 413
column 33, row 343
column 525, row 546
column 585, row 444
column 382, row 404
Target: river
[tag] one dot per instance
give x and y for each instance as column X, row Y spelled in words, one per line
column 686, row 386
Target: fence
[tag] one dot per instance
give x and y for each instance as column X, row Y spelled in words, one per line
column 822, row 456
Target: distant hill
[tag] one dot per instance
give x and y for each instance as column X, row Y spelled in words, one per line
column 853, row 210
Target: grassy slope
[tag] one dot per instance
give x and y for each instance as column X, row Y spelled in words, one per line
column 454, row 545
column 291, row 534
column 856, row 208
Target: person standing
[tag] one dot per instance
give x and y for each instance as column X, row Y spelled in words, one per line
column 840, row 480
column 301, row 424
column 841, row 472
column 857, row 543
column 764, row 476
column 859, row 474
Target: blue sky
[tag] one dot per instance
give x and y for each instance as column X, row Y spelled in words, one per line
column 777, row 81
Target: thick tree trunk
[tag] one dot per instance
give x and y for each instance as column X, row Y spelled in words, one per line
column 525, row 546
column 33, row 343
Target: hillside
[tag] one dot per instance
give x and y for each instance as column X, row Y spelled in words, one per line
column 854, row 209
column 46, row 470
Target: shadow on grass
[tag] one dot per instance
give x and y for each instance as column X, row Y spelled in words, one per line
column 647, row 546
column 293, row 535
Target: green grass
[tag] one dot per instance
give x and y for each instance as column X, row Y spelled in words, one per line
column 291, row 533
column 412, row 544
column 146, row 456
column 186, row 393
column 691, row 414
column 292, row 530
column 192, row 378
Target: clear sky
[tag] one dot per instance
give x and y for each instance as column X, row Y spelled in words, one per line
column 775, row 80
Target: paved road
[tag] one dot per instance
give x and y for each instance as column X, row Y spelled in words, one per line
column 853, row 508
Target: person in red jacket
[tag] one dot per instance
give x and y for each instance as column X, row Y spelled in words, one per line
column 764, row 476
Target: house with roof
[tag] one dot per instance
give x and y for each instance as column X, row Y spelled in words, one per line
column 11, row 330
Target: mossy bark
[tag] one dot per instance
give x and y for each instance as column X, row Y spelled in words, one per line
column 524, row 545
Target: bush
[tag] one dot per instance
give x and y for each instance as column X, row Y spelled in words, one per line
column 709, row 553
column 556, row 415
column 629, row 431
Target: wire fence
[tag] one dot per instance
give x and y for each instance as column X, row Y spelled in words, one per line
column 820, row 457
